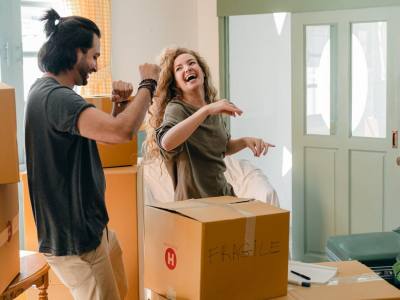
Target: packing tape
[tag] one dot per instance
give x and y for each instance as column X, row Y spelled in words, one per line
column 367, row 277
column 7, row 233
column 171, row 294
column 250, row 227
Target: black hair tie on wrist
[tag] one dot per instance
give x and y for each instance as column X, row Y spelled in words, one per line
column 150, row 85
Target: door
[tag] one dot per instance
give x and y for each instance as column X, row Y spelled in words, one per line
column 11, row 59
column 345, row 106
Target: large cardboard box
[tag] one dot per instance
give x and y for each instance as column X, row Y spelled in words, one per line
column 8, row 136
column 122, row 210
column 353, row 281
column 114, row 155
column 216, row 248
column 9, row 239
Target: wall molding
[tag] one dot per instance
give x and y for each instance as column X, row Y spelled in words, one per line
column 250, row 7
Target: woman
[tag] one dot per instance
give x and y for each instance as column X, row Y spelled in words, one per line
column 187, row 128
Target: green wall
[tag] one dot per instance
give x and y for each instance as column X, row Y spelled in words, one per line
column 248, row 7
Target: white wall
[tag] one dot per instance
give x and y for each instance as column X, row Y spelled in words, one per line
column 260, row 66
column 141, row 29
column 260, row 84
column 208, row 40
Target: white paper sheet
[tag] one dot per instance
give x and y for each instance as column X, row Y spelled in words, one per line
column 317, row 273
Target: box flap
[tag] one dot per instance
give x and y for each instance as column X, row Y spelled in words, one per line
column 218, row 208
column 5, row 86
column 195, row 203
column 177, row 205
column 259, row 208
column 222, row 200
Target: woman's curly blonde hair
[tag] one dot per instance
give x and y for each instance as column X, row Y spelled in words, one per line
column 166, row 91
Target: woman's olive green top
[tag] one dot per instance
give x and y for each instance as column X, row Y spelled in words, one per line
column 196, row 166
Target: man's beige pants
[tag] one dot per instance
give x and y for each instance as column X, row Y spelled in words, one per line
column 96, row 275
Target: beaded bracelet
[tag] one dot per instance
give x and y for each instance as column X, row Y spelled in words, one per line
column 150, row 85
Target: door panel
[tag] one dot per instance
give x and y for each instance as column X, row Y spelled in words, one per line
column 319, row 198
column 367, row 192
column 345, row 181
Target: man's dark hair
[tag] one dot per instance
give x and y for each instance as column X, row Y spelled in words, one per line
column 65, row 36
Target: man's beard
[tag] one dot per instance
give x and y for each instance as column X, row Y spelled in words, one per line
column 83, row 73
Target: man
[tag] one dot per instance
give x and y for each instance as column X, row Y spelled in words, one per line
column 65, row 177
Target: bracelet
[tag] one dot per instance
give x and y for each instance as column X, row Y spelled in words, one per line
column 150, row 85
column 121, row 103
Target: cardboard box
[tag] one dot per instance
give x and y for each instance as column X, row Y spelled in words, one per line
column 9, row 239
column 216, row 248
column 353, row 281
column 9, row 169
column 114, row 155
column 122, row 210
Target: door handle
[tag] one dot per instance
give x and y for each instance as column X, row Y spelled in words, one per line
column 395, row 140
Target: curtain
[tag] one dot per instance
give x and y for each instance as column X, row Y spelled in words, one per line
column 99, row 11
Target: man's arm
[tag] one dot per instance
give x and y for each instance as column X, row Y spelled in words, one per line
column 120, row 96
column 102, row 127
column 119, row 107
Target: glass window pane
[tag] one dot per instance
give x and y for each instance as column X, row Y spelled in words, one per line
column 369, row 79
column 33, row 35
column 32, row 28
column 318, row 79
column 31, row 73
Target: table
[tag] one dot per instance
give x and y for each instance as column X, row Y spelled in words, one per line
column 33, row 271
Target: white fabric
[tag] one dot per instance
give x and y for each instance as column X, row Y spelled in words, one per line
column 247, row 182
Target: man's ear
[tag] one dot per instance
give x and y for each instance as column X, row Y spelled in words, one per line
column 79, row 54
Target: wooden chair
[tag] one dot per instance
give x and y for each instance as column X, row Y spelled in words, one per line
column 33, row 271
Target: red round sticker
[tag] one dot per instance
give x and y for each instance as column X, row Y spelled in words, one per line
column 170, row 258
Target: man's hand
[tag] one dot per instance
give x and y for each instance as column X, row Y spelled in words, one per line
column 223, row 107
column 149, row 71
column 121, row 91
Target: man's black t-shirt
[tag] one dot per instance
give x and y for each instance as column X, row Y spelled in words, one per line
column 65, row 177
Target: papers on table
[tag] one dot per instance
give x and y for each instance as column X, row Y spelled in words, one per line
column 316, row 273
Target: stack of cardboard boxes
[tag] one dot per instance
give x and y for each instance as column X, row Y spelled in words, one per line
column 114, row 155
column 9, row 177
column 119, row 163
